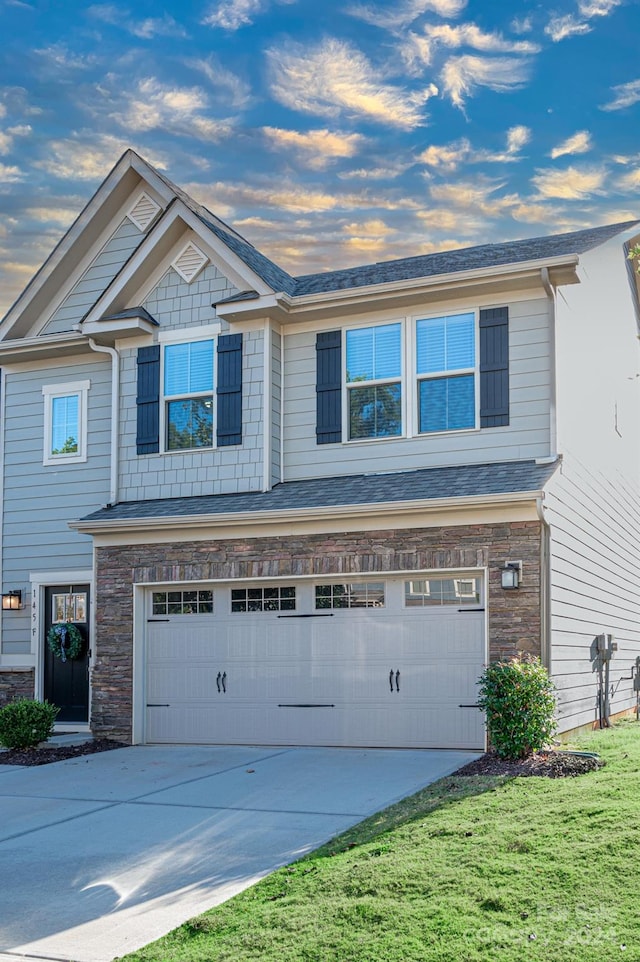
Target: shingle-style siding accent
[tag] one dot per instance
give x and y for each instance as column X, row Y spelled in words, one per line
column 16, row 683
column 181, row 474
column 96, row 278
column 514, row 616
column 176, row 304
column 39, row 500
column 527, row 434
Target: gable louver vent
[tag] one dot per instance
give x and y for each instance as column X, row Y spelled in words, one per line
column 189, row 262
column 143, row 211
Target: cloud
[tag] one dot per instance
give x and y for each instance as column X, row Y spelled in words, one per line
column 394, row 15
column 62, row 216
column 450, row 156
column 335, row 78
column 569, row 184
column 11, row 175
column 227, row 87
column 579, row 143
column 625, row 95
column 630, row 181
column 146, row 29
column 522, row 24
column 233, row 14
column 57, row 57
column 174, row 110
column 559, row 28
column 316, row 148
column 369, row 237
column 460, row 75
column 8, row 136
column 380, row 172
column 473, row 196
column 570, row 25
column 86, row 156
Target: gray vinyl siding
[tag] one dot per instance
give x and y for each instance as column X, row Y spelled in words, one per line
column 175, row 304
column 40, row 500
column 95, row 279
column 225, row 470
column 276, row 405
column 595, row 586
column 526, row 436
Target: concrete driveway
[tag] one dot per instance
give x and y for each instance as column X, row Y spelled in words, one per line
column 102, row 854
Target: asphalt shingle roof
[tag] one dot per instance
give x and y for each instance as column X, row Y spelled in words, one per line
column 426, row 484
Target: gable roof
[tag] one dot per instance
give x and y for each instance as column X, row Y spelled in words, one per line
column 428, row 484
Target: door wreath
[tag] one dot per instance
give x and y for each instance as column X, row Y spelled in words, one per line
column 64, row 640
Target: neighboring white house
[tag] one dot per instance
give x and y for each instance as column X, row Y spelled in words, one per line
column 281, row 510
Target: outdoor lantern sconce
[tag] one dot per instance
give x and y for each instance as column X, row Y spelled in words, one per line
column 12, row 601
column 511, row 574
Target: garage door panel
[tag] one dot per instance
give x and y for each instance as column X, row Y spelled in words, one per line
column 337, row 666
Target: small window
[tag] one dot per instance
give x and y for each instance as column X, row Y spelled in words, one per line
column 65, row 422
column 374, row 381
column 69, row 607
column 442, row 591
column 188, row 393
column 367, row 595
column 189, row 602
column 446, row 358
column 263, row 599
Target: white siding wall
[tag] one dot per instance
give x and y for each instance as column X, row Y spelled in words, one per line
column 39, row 501
column 526, row 436
column 593, row 506
column 96, row 278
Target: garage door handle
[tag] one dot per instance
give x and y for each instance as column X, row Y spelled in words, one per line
column 397, row 681
column 468, row 706
column 224, row 682
column 391, row 679
column 218, row 681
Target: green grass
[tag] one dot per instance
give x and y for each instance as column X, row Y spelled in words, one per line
column 468, row 869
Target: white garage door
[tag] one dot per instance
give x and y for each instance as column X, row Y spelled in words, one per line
column 384, row 663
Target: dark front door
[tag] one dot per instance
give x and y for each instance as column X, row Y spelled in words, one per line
column 66, row 683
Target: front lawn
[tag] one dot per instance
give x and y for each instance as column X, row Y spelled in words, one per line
column 481, row 868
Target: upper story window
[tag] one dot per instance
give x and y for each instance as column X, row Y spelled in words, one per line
column 374, row 381
column 188, row 395
column 446, row 371
column 65, row 422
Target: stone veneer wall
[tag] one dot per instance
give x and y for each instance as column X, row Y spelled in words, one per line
column 16, row 683
column 514, row 616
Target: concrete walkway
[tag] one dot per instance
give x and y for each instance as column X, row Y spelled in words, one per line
column 102, row 854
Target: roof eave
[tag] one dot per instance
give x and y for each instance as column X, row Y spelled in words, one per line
column 285, row 515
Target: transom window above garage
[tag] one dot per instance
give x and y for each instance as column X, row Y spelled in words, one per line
column 423, row 592
column 182, row 602
column 368, row 594
column 279, row 598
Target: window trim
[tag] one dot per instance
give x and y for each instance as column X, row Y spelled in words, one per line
column 347, row 386
column 187, row 337
column 80, row 389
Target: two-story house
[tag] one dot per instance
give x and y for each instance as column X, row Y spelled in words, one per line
column 308, row 510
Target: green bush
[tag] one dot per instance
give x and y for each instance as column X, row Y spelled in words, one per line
column 25, row 723
column 519, row 699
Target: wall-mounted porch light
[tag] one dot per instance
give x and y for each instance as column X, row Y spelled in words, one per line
column 511, row 574
column 12, row 600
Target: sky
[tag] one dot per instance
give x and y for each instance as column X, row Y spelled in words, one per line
column 328, row 133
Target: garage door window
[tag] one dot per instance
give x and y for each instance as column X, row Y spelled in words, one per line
column 182, row 602
column 263, row 599
column 367, row 595
column 442, row 591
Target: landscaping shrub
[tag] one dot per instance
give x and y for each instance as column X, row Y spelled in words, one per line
column 519, row 699
column 25, row 723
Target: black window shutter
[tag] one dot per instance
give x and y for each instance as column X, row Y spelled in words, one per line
column 229, row 390
column 494, row 367
column 329, row 387
column 148, row 400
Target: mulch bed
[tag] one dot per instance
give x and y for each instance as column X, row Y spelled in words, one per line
column 549, row 764
column 45, row 754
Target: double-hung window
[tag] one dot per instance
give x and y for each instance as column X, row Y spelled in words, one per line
column 65, row 422
column 188, row 395
column 446, row 371
column 374, row 381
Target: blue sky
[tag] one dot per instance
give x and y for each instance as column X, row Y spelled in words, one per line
column 329, row 133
